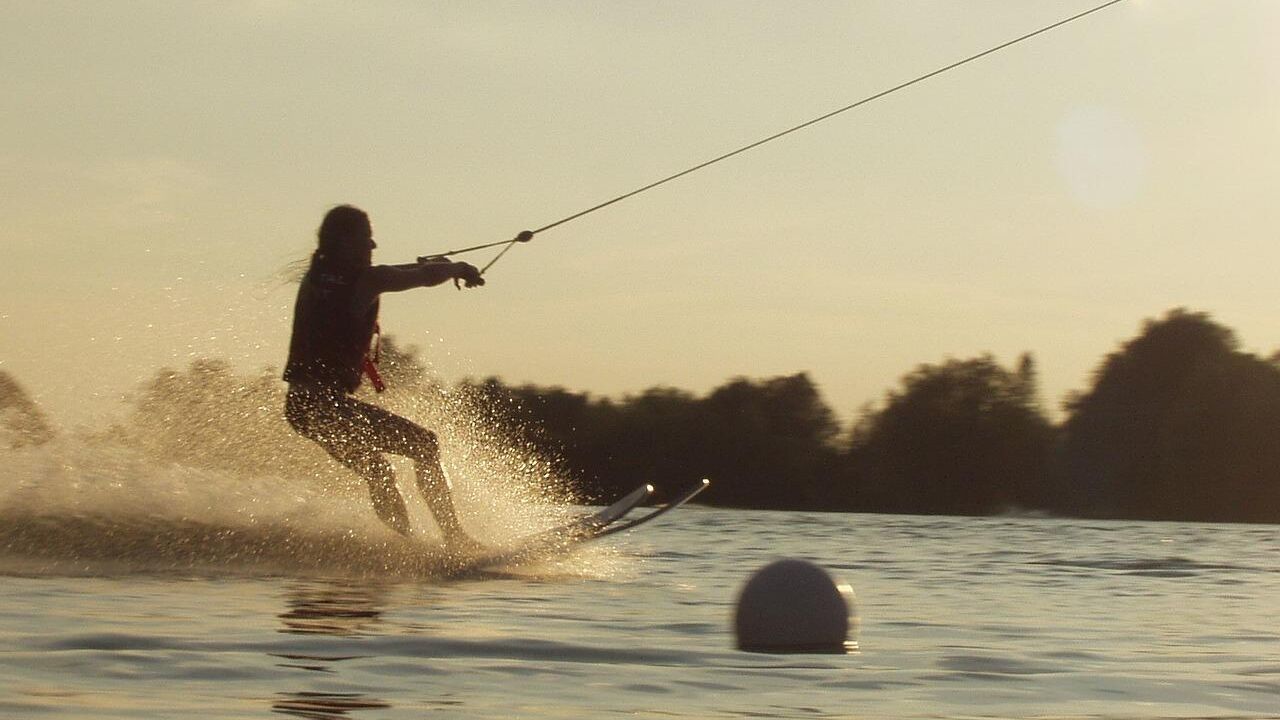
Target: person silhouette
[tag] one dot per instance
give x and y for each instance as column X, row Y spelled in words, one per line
column 335, row 319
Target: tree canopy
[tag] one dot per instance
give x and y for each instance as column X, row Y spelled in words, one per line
column 21, row 421
column 964, row 437
column 1177, row 423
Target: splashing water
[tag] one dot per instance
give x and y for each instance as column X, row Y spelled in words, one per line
column 204, row 476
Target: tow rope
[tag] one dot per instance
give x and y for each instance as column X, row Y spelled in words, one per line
column 527, row 235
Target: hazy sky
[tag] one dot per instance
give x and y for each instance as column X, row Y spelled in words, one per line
column 163, row 162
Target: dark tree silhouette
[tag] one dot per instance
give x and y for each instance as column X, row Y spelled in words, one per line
column 1179, row 424
column 208, row 416
column 769, row 443
column 963, row 437
column 21, row 421
column 766, row 443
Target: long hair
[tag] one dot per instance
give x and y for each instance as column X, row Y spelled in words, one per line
column 339, row 223
column 341, row 238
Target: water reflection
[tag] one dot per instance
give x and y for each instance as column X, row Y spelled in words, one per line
column 346, row 608
column 324, row 706
column 339, row 608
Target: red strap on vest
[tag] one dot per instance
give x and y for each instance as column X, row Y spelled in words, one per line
column 371, row 370
column 371, row 358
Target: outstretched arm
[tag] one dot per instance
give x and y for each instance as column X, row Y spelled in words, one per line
column 394, row 278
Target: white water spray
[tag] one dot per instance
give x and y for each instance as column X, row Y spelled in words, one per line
column 204, row 475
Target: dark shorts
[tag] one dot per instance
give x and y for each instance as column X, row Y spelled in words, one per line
column 351, row 430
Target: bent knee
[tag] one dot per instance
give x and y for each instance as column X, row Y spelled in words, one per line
column 426, row 446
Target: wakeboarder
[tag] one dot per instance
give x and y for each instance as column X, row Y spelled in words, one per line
column 335, row 320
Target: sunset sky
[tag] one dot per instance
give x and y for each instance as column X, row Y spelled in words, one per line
column 163, row 163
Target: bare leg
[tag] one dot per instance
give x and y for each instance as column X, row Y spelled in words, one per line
column 357, row 433
column 435, row 489
column 387, row 502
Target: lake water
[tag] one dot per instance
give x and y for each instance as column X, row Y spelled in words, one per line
column 958, row 617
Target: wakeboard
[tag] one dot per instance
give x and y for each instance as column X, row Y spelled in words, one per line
column 563, row 538
column 675, row 502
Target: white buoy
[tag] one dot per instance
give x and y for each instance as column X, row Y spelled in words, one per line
column 794, row 606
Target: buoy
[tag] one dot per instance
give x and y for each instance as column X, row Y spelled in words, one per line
column 794, row 606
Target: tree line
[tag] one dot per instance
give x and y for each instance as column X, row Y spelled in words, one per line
column 1177, row 424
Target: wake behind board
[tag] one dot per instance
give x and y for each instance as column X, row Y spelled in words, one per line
column 565, row 537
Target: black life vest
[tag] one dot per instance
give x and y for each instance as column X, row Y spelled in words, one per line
column 330, row 343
